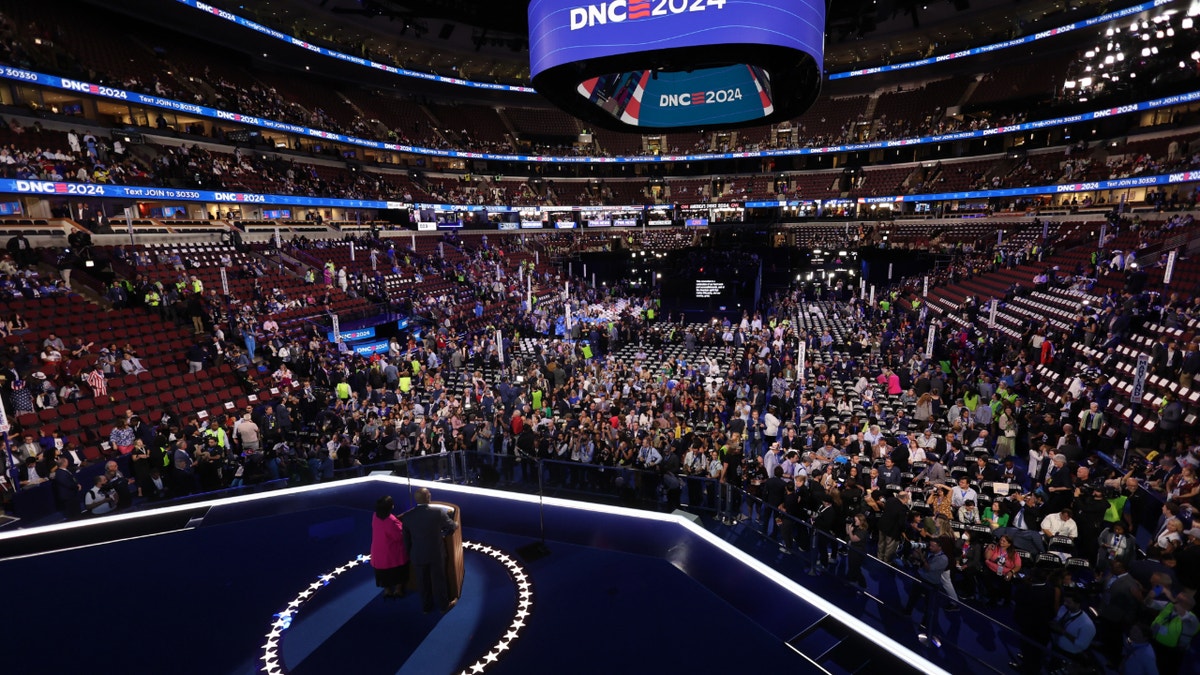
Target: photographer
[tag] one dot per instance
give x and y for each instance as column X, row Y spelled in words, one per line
column 968, row 563
column 858, row 534
column 934, row 573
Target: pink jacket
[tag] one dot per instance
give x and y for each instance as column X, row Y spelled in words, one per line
column 892, row 382
column 387, row 543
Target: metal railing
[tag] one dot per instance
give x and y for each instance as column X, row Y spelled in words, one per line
column 822, row 561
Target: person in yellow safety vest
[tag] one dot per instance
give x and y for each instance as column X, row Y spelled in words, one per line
column 342, row 390
column 405, row 383
column 197, row 286
column 218, row 433
column 153, row 299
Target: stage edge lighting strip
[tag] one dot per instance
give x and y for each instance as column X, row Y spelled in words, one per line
column 845, row 618
column 849, row 620
column 273, row 665
column 90, row 89
column 297, row 42
column 985, row 49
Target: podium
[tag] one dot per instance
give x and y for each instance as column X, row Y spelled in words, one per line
column 454, row 552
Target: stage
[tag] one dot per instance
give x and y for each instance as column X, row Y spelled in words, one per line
column 280, row 583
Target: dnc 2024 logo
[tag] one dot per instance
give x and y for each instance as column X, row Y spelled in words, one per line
column 619, row 11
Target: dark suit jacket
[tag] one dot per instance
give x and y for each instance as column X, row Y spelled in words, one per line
column 66, row 489
column 424, row 528
column 1191, row 363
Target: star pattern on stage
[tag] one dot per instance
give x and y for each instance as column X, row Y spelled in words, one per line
column 271, row 664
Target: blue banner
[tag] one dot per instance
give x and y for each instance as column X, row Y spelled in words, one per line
column 371, row 348
column 62, row 83
column 975, row 51
column 352, row 335
column 92, row 190
column 284, row 37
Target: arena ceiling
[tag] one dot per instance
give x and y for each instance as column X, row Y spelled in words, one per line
column 487, row 39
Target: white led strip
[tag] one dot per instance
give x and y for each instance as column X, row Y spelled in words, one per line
column 283, row 620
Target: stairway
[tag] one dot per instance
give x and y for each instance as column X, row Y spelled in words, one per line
column 969, row 91
column 834, row 648
column 513, row 137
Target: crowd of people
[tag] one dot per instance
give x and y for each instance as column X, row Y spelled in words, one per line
column 911, row 451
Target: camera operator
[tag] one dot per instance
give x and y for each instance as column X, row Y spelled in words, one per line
column 891, row 525
column 1090, row 507
column 934, row 573
column 102, row 498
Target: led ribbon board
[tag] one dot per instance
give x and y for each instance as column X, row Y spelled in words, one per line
column 88, row 89
column 667, row 64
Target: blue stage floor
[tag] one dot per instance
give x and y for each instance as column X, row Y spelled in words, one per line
column 203, row 601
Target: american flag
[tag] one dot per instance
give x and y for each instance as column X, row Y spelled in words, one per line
column 95, row 379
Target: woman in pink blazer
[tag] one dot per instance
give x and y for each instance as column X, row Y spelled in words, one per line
column 388, row 555
column 1004, row 563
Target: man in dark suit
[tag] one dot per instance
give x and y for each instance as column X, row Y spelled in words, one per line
column 424, row 528
column 1190, row 365
column 66, row 489
column 774, row 491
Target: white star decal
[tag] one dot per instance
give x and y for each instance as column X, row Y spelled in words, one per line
column 283, row 620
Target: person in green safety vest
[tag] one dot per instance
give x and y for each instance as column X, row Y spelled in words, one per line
column 153, row 299
column 916, row 304
column 885, row 306
column 197, row 285
column 1172, row 631
column 342, row 390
